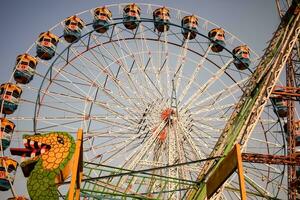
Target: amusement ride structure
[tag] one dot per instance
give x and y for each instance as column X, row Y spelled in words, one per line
column 140, row 101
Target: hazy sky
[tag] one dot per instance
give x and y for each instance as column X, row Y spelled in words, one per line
column 21, row 22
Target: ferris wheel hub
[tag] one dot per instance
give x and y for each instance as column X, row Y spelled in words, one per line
column 167, row 114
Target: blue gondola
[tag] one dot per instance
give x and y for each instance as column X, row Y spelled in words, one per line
column 7, row 176
column 280, row 104
column 131, row 16
column 161, row 17
column 9, row 96
column 46, row 45
column 242, row 57
column 25, row 68
column 189, row 24
column 73, row 28
column 217, row 35
column 7, row 129
column 102, row 17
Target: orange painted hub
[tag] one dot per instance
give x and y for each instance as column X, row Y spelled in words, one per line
column 166, row 114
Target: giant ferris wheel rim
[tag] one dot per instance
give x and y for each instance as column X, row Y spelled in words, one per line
column 129, row 38
column 113, row 24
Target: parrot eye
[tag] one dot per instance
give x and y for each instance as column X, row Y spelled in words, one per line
column 60, row 140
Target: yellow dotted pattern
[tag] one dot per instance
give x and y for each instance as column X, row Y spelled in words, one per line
column 60, row 146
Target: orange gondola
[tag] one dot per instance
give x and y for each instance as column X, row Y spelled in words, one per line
column 161, row 17
column 217, row 35
column 9, row 96
column 8, row 168
column 131, row 16
column 73, row 28
column 25, row 68
column 242, row 57
column 7, row 129
column 102, row 17
column 46, row 45
column 189, row 27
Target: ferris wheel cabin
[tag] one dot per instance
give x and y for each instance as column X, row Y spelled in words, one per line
column 25, row 68
column 102, row 17
column 131, row 16
column 7, row 129
column 189, row 24
column 46, row 45
column 242, row 57
column 161, row 17
column 7, row 177
column 73, row 28
column 9, row 96
column 217, row 35
column 280, row 104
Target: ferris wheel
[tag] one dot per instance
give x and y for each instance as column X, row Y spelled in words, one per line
column 152, row 89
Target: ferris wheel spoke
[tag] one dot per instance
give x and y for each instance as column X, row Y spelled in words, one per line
column 50, row 106
column 256, row 187
column 134, row 159
column 60, row 72
column 120, row 133
column 106, row 92
column 180, row 65
column 194, row 74
column 209, row 82
column 59, row 101
column 197, row 152
column 147, row 80
column 216, row 97
column 85, row 83
column 79, row 96
column 271, row 143
column 119, row 148
column 212, row 107
column 105, row 120
column 127, row 73
column 69, row 80
column 144, row 41
column 58, row 125
column 112, row 78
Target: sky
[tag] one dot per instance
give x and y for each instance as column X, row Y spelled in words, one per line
column 253, row 22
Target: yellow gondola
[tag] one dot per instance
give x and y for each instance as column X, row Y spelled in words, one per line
column 102, row 17
column 46, row 45
column 242, row 57
column 161, row 17
column 9, row 96
column 189, row 27
column 8, row 168
column 217, row 35
column 25, row 68
column 131, row 16
column 73, row 28
column 7, row 129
